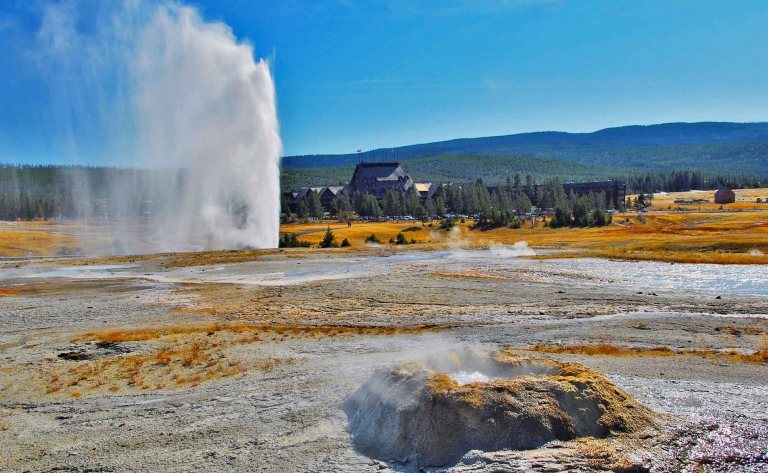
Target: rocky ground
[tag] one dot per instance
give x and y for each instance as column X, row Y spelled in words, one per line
column 151, row 366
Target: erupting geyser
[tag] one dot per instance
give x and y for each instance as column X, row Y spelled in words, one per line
column 166, row 91
column 204, row 105
column 418, row 413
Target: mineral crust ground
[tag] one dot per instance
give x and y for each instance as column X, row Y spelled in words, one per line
column 202, row 362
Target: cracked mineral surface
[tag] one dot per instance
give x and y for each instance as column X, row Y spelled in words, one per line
column 151, row 365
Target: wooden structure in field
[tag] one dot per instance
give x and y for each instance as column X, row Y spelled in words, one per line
column 725, row 196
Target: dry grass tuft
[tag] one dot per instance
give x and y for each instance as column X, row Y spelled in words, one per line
column 187, row 355
column 40, row 242
column 252, row 331
column 605, row 349
column 739, row 331
column 470, row 275
column 602, row 349
column 195, row 310
column 189, row 362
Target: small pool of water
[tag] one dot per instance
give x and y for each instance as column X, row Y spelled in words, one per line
column 468, row 377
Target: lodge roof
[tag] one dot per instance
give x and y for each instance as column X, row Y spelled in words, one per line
column 381, row 172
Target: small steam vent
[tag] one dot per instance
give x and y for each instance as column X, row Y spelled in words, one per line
column 431, row 414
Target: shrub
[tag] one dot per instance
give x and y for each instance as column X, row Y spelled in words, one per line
column 400, row 240
column 372, row 239
column 581, row 212
column 598, row 218
column 291, row 241
column 329, row 240
column 562, row 217
column 345, row 243
column 392, row 240
column 447, row 223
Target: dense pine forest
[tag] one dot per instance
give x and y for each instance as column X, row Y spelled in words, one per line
column 31, row 192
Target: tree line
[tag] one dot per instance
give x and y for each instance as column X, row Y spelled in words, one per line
column 492, row 206
column 685, row 180
column 33, row 191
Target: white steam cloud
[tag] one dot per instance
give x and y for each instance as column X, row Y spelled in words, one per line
column 151, row 84
column 205, row 105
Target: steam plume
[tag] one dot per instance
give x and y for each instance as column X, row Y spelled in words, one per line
column 154, row 85
column 205, row 105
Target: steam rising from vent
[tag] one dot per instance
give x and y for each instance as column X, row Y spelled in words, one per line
column 150, row 84
column 204, row 105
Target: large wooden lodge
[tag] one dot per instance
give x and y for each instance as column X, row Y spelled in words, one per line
column 377, row 178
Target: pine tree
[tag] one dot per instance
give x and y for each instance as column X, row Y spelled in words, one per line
column 329, row 240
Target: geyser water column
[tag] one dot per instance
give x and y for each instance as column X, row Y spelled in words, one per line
column 203, row 104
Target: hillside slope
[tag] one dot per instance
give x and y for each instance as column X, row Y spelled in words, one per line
column 713, row 146
column 463, row 168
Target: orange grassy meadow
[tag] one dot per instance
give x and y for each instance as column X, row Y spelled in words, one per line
column 685, row 237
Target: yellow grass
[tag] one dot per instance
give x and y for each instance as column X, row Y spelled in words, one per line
column 700, row 237
column 707, row 236
column 745, row 200
column 606, row 349
column 185, row 355
column 314, row 232
column 151, row 333
column 39, row 243
column 190, row 361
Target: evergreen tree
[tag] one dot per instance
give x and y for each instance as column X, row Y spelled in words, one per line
column 440, row 207
column 430, row 208
column 581, row 212
column 562, row 217
column 329, row 240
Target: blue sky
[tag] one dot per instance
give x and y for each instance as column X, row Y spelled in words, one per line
column 366, row 74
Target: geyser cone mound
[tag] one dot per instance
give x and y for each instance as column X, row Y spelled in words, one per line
column 419, row 413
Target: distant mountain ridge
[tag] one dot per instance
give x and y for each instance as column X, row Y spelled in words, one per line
column 680, row 143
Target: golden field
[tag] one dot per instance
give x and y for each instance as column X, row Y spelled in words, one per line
column 40, row 241
column 746, row 199
column 696, row 237
column 736, row 235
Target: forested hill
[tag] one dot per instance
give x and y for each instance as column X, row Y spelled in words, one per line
column 709, row 145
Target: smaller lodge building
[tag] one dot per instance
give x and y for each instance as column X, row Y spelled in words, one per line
column 725, row 196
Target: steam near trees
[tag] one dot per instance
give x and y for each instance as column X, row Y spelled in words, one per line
column 29, row 192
